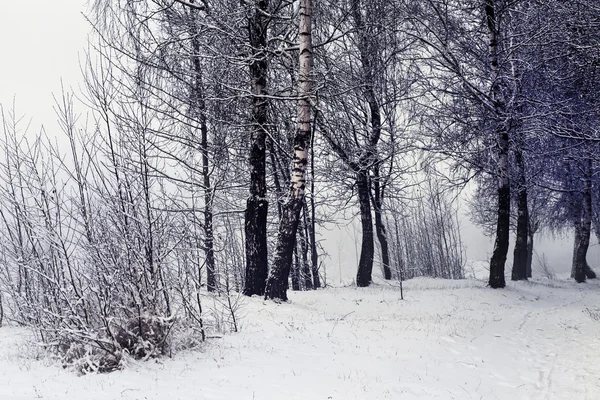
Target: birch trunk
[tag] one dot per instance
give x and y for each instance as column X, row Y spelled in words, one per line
column 277, row 283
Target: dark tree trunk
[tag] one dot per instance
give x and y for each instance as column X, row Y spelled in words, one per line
column 576, row 241
column 256, row 247
column 580, row 248
column 530, row 253
column 519, row 270
column 310, row 228
column 277, row 284
column 199, row 110
column 257, row 205
column 380, row 226
column 211, row 280
column 383, row 243
column 498, row 260
column 365, row 264
column 296, row 271
column 583, row 230
column 367, row 49
column 306, row 275
column 589, row 272
column 581, row 269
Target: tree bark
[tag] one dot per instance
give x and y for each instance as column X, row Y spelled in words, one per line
column 369, row 158
column 589, row 272
column 307, row 281
column 583, row 232
column 380, row 226
column 530, row 237
column 277, row 282
column 520, row 256
column 498, row 260
column 310, row 228
column 199, row 104
column 311, row 225
column 296, row 270
column 257, row 204
column 365, row 264
column 580, row 248
column 580, row 268
column 497, row 263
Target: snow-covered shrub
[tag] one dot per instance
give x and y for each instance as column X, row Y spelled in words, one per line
column 144, row 336
column 93, row 266
column 105, row 349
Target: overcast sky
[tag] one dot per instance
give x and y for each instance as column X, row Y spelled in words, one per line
column 42, row 41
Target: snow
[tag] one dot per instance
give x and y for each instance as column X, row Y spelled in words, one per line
column 447, row 340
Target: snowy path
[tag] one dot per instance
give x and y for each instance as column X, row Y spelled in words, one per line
column 448, row 340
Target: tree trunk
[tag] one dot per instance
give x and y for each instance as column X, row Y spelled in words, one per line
column 530, row 253
column 257, row 204
column 365, row 264
column 310, row 228
column 383, row 243
column 589, row 272
column 583, row 232
column 367, row 54
column 256, row 246
column 296, row 271
column 576, row 241
column 199, row 111
column 311, row 225
column 498, row 260
column 277, row 282
column 303, row 242
column 580, row 248
column 209, row 253
column 519, row 270
column 580, row 268
column 380, row 226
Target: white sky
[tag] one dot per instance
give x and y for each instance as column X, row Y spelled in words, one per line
column 42, row 41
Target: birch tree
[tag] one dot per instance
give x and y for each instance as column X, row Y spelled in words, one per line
column 277, row 283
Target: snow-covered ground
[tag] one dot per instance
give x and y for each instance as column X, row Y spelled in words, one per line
column 447, row 340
